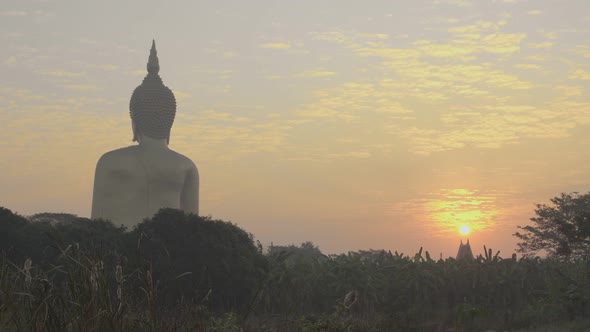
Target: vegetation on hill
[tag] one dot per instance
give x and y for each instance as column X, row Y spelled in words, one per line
column 178, row 272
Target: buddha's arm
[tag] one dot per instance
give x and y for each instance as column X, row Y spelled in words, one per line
column 189, row 200
column 98, row 199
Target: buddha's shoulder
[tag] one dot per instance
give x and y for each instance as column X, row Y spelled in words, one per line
column 118, row 155
column 182, row 159
column 125, row 156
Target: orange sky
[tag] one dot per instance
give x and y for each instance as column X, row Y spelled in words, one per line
column 355, row 125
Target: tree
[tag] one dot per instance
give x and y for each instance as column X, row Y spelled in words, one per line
column 192, row 256
column 562, row 229
column 307, row 252
column 53, row 218
column 11, row 239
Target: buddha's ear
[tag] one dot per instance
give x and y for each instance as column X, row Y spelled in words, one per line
column 135, row 131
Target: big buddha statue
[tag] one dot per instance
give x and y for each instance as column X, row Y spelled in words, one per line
column 134, row 182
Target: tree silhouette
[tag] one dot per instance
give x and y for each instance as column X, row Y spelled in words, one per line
column 561, row 229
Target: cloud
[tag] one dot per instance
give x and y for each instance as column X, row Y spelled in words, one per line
column 108, row 67
column 580, row 74
column 445, row 97
column 458, row 3
column 11, row 60
column 351, row 100
column 492, row 127
column 551, row 35
column 332, row 36
column 569, row 91
column 181, row 96
column 316, row 73
column 350, row 39
column 485, row 37
column 530, row 66
column 471, row 79
column 540, row 45
column 13, row 13
column 138, row 72
column 444, row 211
column 464, row 43
column 441, row 50
column 583, row 50
column 82, row 87
column 276, row 46
column 229, row 54
column 349, row 155
column 52, row 117
column 66, row 74
column 229, row 140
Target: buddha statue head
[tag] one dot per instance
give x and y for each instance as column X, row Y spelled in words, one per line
column 152, row 107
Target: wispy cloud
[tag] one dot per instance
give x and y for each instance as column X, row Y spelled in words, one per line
column 530, row 66
column 316, row 73
column 471, row 97
column 459, row 3
column 442, row 212
column 540, row 45
column 108, row 67
column 13, row 13
column 82, row 87
column 580, row 74
column 67, row 74
column 276, row 46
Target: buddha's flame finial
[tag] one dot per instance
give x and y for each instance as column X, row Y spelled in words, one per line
column 153, row 65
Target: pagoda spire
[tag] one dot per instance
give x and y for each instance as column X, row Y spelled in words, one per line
column 464, row 251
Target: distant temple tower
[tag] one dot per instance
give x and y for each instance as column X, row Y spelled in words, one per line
column 464, row 251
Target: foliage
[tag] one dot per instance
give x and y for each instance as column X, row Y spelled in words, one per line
column 226, row 323
column 216, row 260
column 178, row 272
column 561, row 229
column 402, row 293
column 306, row 251
column 10, row 227
column 170, row 258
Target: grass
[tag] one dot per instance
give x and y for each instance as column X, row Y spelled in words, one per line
column 80, row 292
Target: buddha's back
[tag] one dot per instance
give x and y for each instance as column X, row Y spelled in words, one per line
column 135, row 182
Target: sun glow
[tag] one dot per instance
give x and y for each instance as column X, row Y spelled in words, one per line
column 464, row 229
column 462, row 210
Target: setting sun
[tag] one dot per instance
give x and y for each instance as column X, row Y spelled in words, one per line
column 464, row 229
column 460, row 209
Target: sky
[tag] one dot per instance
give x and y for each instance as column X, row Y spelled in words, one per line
column 351, row 124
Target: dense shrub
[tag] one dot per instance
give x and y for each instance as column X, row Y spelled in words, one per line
column 184, row 272
column 189, row 258
column 198, row 257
